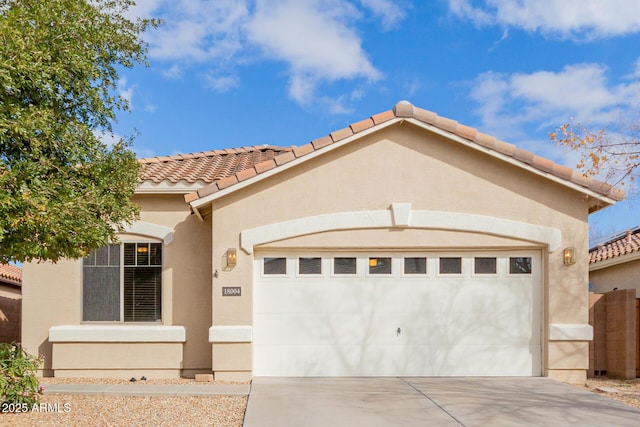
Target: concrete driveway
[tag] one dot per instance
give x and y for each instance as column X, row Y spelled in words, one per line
column 373, row 402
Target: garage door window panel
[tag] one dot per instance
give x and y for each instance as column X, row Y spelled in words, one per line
column 520, row 266
column 415, row 266
column 310, row 266
column 274, row 266
column 450, row 266
column 345, row 266
column 485, row 266
column 380, row 266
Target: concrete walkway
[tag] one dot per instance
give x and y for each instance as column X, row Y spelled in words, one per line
column 137, row 389
column 381, row 402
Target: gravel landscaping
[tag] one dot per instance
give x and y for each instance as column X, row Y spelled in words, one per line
column 76, row 410
column 624, row 391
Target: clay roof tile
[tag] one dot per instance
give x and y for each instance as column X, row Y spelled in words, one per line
column 383, row 117
column 341, row 134
column 304, row 150
column 11, row 273
column 466, row 132
column 321, row 142
column 621, row 244
column 403, row 109
column 446, row 124
column 425, row 116
column 362, row 125
column 207, row 166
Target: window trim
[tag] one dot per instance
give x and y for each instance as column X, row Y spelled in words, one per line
column 115, row 332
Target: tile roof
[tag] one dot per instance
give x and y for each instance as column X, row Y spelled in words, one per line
column 622, row 244
column 208, row 166
column 10, row 273
column 405, row 110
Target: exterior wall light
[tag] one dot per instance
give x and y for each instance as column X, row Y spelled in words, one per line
column 569, row 256
column 230, row 259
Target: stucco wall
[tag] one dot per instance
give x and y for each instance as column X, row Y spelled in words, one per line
column 408, row 165
column 613, row 350
column 622, row 276
column 118, row 360
column 53, row 292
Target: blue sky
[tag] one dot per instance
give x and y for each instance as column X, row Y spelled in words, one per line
column 232, row 73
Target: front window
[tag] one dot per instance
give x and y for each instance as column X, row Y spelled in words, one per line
column 123, row 283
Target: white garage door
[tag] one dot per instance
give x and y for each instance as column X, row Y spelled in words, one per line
column 397, row 314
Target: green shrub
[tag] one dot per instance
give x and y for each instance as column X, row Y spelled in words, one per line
column 18, row 382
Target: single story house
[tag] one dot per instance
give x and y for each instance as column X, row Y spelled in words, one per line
column 10, row 302
column 615, row 264
column 405, row 244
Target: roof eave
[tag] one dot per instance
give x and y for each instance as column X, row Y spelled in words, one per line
column 168, row 187
column 620, row 259
column 10, row 282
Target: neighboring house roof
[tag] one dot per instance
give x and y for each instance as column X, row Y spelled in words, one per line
column 11, row 274
column 604, row 194
column 621, row 248
column 188, row 172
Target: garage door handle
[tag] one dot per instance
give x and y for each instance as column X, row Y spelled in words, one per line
column 398, row 332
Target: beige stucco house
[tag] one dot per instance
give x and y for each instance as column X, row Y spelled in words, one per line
column 405, row 244
column 10, row 303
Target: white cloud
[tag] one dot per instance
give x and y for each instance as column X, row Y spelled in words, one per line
column 221, row 83
column 197, row 30
column 108, row 138
column 142, row 153
column 581, row 19
column 580, row 88
column 335, row 106
column 390, row 12
column 124, row 90
column 173, row 72
column 317, row 40
column 411, row 86
column 636, row 70
column 143, row 9
column 464, row 9
column 357, row 94
column 581, row 91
